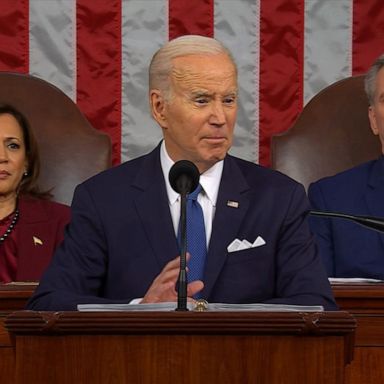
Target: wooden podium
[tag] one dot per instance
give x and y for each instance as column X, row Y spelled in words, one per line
column 181, row 347
column 366, row 303
column 12, row 298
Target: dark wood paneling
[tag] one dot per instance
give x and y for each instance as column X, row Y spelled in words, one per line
column 168, row 347
column 365, row 302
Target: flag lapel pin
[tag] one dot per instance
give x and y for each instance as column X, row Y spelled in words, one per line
column 233, row 204
column 37, row 241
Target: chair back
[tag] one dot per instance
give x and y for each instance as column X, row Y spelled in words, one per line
column 331, row 134
column 71, row 150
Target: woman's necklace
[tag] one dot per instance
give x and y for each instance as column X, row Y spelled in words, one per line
column 11, row 226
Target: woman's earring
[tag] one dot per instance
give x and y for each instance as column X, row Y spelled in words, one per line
column 25, row 174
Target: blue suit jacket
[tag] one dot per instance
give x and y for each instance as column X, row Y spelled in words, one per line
column 121, row 236
column 349, row 249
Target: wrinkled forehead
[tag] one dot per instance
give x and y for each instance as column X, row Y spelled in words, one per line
column 198, row 62
column 204, row 68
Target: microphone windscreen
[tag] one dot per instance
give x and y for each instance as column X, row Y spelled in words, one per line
column 184, row 176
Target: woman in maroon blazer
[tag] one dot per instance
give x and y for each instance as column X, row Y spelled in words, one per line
column 31, row 226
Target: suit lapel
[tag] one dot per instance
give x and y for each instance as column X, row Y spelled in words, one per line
column 153, row 209
column 35, row 247
column 35, row 238
column 227, row 220
column 374, row 196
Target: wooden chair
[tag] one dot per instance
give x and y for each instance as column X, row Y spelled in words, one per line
column 331, row 134
column 71, row 150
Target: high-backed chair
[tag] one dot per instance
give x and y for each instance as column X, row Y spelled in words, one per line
column 71, row 150
column 331, row 134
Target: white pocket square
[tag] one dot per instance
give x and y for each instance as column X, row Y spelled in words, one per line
column 258, row 242
column 238, row 245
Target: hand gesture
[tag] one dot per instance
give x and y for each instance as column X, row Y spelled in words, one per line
column 163, row 288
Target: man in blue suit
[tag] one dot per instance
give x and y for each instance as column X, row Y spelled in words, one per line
column 121, row 245
column 348, row 249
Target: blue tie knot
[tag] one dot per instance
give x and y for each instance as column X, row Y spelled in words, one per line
column 193, row 195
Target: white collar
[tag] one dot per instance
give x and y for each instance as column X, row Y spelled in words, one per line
column 209, row 180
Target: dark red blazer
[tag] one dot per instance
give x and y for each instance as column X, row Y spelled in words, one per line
column 39, row 231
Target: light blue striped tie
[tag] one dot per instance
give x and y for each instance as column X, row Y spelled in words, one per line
column 196, row 239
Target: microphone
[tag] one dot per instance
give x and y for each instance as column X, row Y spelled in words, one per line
column 375, row 223
column 184, row 178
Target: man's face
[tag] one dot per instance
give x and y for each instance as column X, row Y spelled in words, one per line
column 376, row 111
column 199, row 116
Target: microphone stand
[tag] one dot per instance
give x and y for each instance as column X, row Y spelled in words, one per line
column 376, row 223
column 183, row 177
column 182, row 280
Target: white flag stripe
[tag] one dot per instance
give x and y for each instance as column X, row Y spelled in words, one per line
column 237, row 26
column 144, row 30
column 52, row 39
column 328, row 44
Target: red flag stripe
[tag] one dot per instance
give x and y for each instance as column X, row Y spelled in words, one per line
column 368, row 34
column 14, row 36
column 99, row 66
column 191, row 17
column 281, row 69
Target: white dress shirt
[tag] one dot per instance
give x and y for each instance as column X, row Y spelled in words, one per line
column 210, row 182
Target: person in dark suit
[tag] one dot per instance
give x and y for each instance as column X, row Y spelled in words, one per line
column 31, row 226
column 348, row 249
column 121, row 245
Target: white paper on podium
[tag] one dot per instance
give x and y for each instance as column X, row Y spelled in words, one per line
column 192, row 306
column 353, row 280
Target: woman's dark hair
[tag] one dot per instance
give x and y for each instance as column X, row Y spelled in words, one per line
column 28, row 185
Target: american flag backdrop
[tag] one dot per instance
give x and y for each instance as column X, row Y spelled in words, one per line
column 98, row 51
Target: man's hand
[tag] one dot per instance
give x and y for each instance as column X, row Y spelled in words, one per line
column 163, row 287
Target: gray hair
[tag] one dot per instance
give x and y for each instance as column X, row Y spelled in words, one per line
column 161, row 63
column 370, row 78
